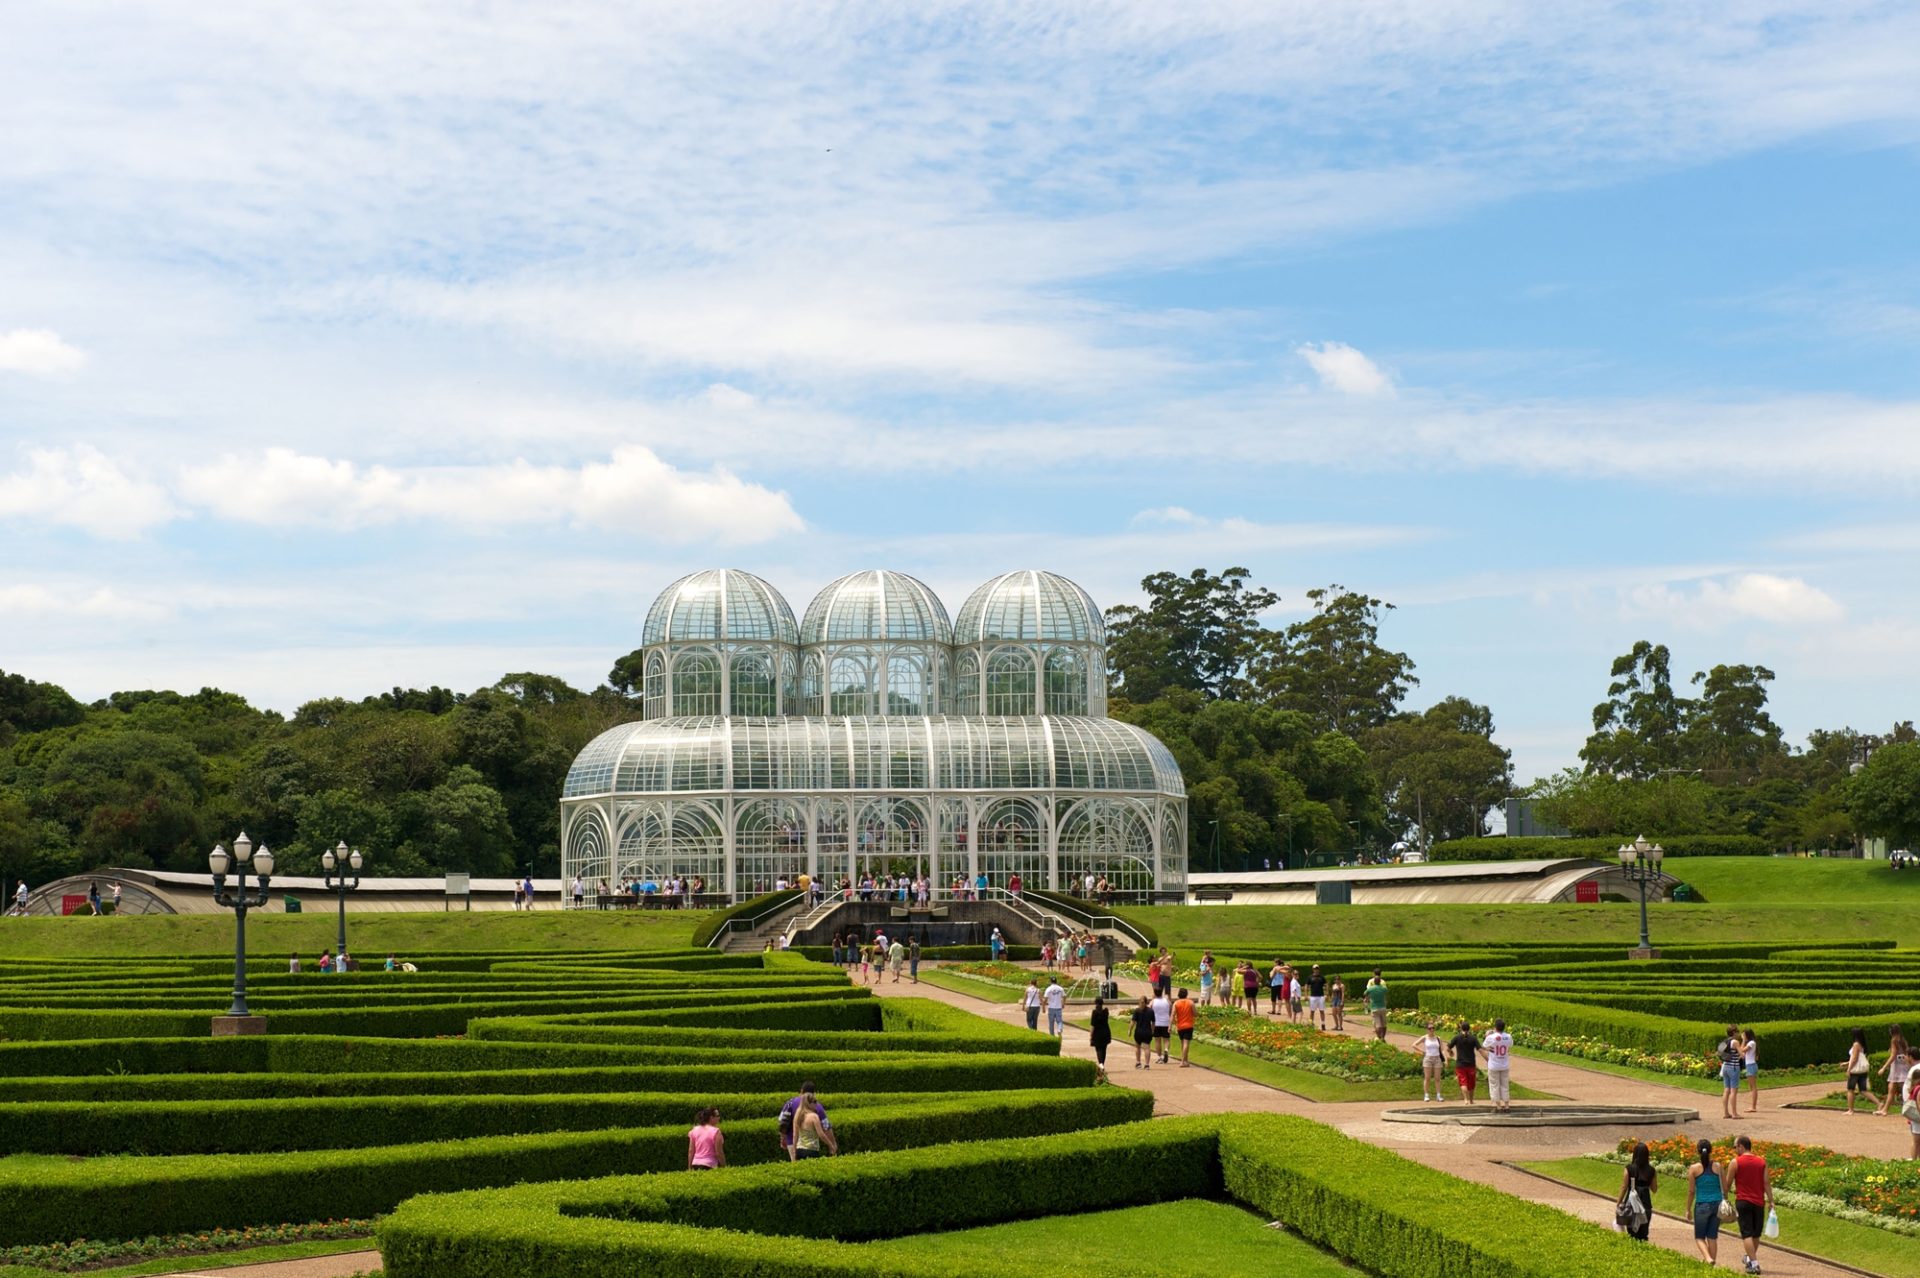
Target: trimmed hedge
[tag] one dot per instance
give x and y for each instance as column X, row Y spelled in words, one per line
column 1538, row 848
column 851, row 1072
column 141, row 1196
column 1369, row 1205
column 709, row 927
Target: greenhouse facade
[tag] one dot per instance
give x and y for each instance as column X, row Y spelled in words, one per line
column 875, row 736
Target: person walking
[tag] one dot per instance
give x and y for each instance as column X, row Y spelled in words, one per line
column 810, row 1134
column 1377, row 1004
column 839, row 953
column 1499, row 1048
column 1276, row 987
column 1638, row 1181
column 1728, row 1053
column 1466, row 1061
column 1859, row 1070
column 1911, row 1111
column 1752, row 1198
column 1206, row 979
column 706, row 1147
column 1183, row 1021
column 1704, row 1193
column 1898, row 1063
column 115, row 898
column 1142, row 1018
column 20, row 898
column 93, row 899
column 1162, row 1008
column 789, row 1125
column 896, row 958
column 1100, row 1033
column 1250, row 986
column 293, row 964
column 913, row 958
column 1750, row 1066
column 1056, row 1007
column 1337, row 1002
column 1031, row 1001
column 1317, row 996
column 1433, row 1062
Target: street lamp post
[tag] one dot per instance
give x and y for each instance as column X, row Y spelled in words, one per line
column 1640, row 862
column 346, row 859
column 238, row 1020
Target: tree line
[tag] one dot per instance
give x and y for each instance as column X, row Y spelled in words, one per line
column 1296, row 742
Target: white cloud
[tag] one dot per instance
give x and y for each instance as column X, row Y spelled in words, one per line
column 81, row 487
column 101, row 603
column 1342, row 368
column 632, row 490
column 38, row 351
column 1743, row 597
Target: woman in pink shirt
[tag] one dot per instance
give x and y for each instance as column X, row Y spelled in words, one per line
column 706, row 1147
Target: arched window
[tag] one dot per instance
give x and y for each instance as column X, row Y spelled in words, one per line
column 850, row 691
column 906, row 686
column 810, row 685
column 1010, row 682
column 964, row 695
column 655, row 688
column 1066, row 683
column 752, row 684
column 696, row 683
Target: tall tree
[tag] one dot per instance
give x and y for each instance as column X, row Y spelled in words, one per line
column 1729, row 734
column 1637, row 729
column 1439, row 770
column 1332, row 668
column 1884, row 798
column 1199, row 632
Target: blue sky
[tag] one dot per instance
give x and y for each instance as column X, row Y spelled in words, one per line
column 344, row 347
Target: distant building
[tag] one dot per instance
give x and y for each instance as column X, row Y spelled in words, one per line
column 1521, row 822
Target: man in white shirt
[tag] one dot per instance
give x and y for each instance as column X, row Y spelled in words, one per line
column 20, row 899
column 579, row 892
column 1086, row 885
column 1162, row 1008
column 1499, row 1049
column 1056, row 1008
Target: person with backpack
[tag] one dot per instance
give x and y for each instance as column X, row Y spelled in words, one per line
column 790, row 1123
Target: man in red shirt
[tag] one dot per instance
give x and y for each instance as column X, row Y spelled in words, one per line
column 1183, row 1025
column 1752, row 1198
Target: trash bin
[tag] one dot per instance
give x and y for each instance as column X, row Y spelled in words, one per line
column 291, row 904
column 1683, row 891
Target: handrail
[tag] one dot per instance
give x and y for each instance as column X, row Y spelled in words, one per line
column 749, row 923
column 1097, row 922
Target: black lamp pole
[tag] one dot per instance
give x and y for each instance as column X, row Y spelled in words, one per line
column 1640, row 863
column 346, row 860
column 239, row 900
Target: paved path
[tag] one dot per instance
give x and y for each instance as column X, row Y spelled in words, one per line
column 339, row 1265
column 1481, row 1153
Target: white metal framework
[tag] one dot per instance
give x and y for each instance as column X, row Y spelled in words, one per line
column 875, row 737
column 742, row 801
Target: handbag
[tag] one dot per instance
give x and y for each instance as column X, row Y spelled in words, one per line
column 1727, row 1210
column 1623, row 1212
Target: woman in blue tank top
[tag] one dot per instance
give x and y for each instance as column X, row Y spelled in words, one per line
column 1704, row 1194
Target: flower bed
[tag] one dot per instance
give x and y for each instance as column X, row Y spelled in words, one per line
column 1303, row 1047
column 1011, row 974
column 1885, row 1188
column 1682, row 1064
column 88, row 1253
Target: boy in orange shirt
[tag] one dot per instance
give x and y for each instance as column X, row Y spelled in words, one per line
column 1183, row 1025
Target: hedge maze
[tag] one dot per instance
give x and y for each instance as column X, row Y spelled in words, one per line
column 480, row 1070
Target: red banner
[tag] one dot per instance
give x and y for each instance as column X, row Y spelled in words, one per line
column 1588, row 892
column 73, row 904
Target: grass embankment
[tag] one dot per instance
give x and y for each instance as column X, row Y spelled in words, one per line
column 1218, row 1239
column 369, row 934
column 991, row 991
column 1257, row 929
column 1862, row 1246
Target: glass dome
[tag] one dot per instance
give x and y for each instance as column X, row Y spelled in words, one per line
column 875, row 642
column 718, row 605
column 1033, row 606
column 876, row 606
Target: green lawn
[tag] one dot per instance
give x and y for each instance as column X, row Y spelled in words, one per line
column 1862, row 1246
column 1190, row 1238
column 1309, row 1085
column 1747, row 880
column 276, row 935
column 1258, row 929
column 988, row 990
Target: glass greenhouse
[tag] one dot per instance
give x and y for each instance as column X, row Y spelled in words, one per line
column 875, row 737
